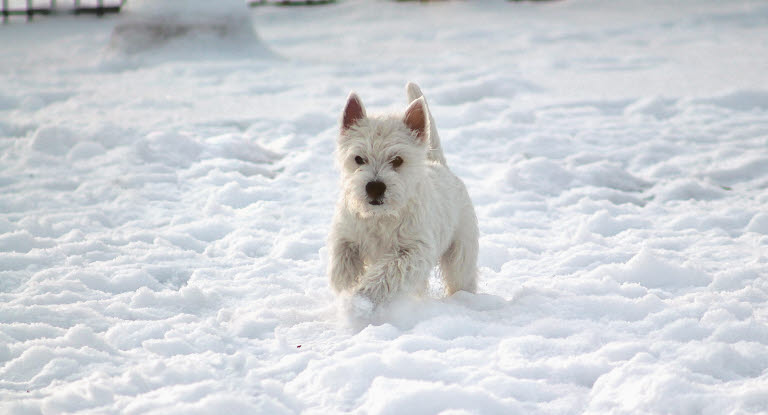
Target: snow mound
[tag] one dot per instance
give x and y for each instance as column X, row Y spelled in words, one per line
column 153, row 32
column 648, row 270
column 758, row 223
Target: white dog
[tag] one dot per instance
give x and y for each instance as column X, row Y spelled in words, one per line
column 402, row 211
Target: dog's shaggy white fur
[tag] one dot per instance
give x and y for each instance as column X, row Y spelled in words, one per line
column 402, row 211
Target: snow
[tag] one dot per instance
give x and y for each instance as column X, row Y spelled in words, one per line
column 164, row 209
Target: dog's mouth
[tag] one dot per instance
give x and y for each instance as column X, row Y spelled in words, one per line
column 376, row 202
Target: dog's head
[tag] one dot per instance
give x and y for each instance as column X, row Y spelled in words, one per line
column 382, row 159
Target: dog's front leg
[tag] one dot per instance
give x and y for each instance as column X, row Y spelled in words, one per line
column 407, row 270
column 345, row 265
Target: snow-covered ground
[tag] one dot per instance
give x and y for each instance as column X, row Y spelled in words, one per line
column 163, row 212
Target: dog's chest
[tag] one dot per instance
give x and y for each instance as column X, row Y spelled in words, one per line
column 377, row 240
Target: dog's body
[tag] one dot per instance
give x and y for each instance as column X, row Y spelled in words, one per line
column 402, row 211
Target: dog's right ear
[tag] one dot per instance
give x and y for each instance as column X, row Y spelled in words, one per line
column 353, row 111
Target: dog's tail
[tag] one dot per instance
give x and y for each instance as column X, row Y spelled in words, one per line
column 435, row 150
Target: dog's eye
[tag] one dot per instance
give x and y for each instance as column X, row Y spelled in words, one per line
column 359, row 160
column 397, row 161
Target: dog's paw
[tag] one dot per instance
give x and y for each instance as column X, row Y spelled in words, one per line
column 375, row 293
column 342, row 282
column 356, row 309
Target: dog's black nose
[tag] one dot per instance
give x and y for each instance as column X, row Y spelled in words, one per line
column 375, row 189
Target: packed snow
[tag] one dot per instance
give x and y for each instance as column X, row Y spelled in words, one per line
column 164, row 208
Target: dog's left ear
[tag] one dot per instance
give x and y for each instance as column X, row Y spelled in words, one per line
column 415, row 118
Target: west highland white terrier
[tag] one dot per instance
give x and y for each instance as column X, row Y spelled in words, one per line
column 402, row 211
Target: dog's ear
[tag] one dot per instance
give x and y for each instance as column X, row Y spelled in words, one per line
column 415, row 118
column 412, row 91
column 353, row 111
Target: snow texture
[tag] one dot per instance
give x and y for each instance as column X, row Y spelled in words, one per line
column 163, row 211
